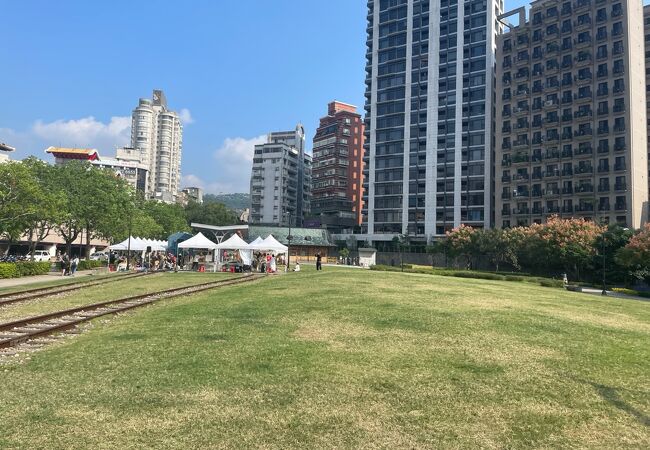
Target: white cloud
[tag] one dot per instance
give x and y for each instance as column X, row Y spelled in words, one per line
column 232, row 171
column 86, row 132
column 186, row 116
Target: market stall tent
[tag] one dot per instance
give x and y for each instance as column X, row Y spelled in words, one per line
column 272, row 244
column 198, row 241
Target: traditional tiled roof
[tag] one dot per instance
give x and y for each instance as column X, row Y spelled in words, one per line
column 73, row 153
column 308, row 237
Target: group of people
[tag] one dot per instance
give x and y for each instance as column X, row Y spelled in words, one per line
column 154, row 262
column 68, row 265
column 265, row 262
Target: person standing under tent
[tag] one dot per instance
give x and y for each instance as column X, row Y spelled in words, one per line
column 274, row 267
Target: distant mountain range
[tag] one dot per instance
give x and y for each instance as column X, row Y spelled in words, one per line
column 237, row 202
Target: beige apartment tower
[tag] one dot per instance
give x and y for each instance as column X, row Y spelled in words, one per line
column 571, row 137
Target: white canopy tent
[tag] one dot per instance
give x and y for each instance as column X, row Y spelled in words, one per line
column 234, row 242
column 198, row 242
column 272, row 244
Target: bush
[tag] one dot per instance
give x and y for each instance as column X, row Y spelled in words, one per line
column 479, row 275
column 632, row 292
column 513, row 278
column 85, row 264
column 23, row 268
column 547, row 282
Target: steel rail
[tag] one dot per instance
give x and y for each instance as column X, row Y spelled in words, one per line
column 33, row 327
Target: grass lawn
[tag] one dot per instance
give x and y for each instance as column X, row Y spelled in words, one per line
column 345, row 358
column 56, row 280
column 105, row 292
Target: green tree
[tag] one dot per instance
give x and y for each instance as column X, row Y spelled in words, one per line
column 19, row 190
column 170, row 217
column 48, row 203
column 500, row 246
column 210, row 213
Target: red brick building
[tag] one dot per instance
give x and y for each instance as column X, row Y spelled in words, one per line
column 337, row 176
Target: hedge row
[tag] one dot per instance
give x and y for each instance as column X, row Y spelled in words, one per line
column 632, row 292
column 86, row 264
column 23, row 268
column 546, row 282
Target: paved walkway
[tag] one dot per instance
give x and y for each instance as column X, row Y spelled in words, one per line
column 594, row 291
column 52, row 276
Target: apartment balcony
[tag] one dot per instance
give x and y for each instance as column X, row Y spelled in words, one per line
column 550, row 155
column 521, row 194
column 521, row 93
column 619, row 167
column 605, row 207
column 584, row 79
column 535, row 193
column 618, row 109
column 537, row 211
column 567, row 173
column 537, row 123
column 553, row 210
column 506, row 64
column 581, row 25
column 521, row 144
column 620, row 207
column 552, row 87
column 601, row 36
column 619, row 129
column 584, row 150
column 552, row 49
column 583, row 98
column 506, row 196
column 601, row 55
column 566, row 135
column 567, row 210
column 552, row 193
column 586, row 208
column 603, row 188
column 506, row 97
column 584, row 189
column 620, row 147
column 567, row 190
column 603, row 131
column 552, row 69
column 506, row 146
column 521, row 211
column 552, row 173
column 506, row 162
column 602, row 169
column 522, row 76
column 537, row 156
column 505, row 178
column 522, row 60
column 567, row 153
column 582, row 116
column 552, row 138
column 537, row 175
column 567, row 118
column 582, row 135
column 521, row 158
column 537, row 88
column 581, row 5
column 581, row 170
column 505, row 113
column 583, row 60
column 618, row 89
column 505, row 212
column 538, row 73
column 602, row 111
column 537, row 55
column 551, row 104
column 521, row 177
column 567, row 100
column 566, row 10
column 603, row 149
column 520, row 110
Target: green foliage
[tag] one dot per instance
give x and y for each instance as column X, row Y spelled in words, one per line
column 236, row 202
column 210, row 213
column 632, row 292
column 344, row 252
column 23, row 268
column 19, row 192
column 635, row 256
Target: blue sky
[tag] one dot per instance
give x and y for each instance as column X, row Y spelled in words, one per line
column 74, row 70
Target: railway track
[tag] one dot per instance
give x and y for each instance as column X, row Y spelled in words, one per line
column 24, row 330
column 31, row 294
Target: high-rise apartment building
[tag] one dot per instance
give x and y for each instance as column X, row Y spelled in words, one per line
column 571, row 135
column 429, row 90
column 281, row 179
column 337, row 175
column 157, row 133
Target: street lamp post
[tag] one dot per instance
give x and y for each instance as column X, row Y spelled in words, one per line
column 288, row 242
column 604, row 291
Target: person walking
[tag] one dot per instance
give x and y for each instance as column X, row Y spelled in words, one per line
column 319, row 265
column 64, row 263
column 73, row 265
column 274, row 267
